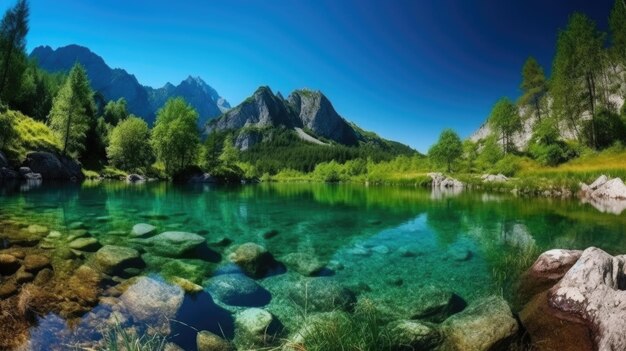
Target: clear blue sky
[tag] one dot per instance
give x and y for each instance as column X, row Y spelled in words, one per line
column 405, row 69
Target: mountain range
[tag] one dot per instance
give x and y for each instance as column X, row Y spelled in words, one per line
column 115, row 83
column 307, row 114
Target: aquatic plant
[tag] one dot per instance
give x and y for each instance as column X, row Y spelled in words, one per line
column 117, row 338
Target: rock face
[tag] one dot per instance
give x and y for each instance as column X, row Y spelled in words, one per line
column 605, row 194
column 593, row 292
column 485, row 325
column 53, row 167
column 117, row 83
column 174, row 244
column 152, row 301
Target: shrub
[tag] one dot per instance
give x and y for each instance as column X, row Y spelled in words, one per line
column 21, row 134
column 508, row 166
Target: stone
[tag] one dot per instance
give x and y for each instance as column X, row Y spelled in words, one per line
column 187, row 285
column 207, row 341
column 255, row 327
column 53, row 167
column 322, row 294
column 413, row 335
column 37, row 229
column 152, row 301
column 135, row 178
column 429, row 304
column 43, row 277
column 8, row 264
column 548, row 269
column 237, row 290
column 592, row 293
column 494, row 178
column 304, row 263
column 253, row 259
column 35, row 263
column 111, row 259
column 7, row 289
column 174, row 244
column 76, row 225
column 85, row 244
column 24, row 277
column 143, row 229
column 193, row 270
column 483, row 326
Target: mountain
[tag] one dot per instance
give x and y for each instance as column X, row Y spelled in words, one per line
column 116, row 83
column 308, row 113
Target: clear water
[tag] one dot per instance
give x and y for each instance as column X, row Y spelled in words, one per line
column 473, row 244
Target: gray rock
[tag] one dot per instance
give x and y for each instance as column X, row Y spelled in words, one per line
column 143, row 229
column 413, row 335
column 485, row 325
column 111, row 259
column 85, row 244
column 253, row 259
column 174, row 244
column 255, row 327
column 135, row 178
column 592, row 293
column 494, row 178
column 237, row 290
column 304, row 263
column 247, row 139
column 207, row 341
column 322, row 295
column 54, row 167
column 153, row 302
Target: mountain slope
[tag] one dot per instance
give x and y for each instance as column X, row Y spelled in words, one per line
column 309, row 115
column 116, row 83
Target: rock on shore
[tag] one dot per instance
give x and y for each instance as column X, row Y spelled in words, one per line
column 606, row 194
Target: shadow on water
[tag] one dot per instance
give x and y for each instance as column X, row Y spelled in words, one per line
column 200, row 312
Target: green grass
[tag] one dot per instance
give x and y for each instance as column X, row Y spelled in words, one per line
column 30, row 136
column 117, row 338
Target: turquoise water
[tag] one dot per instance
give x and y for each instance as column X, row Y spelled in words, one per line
column 386, row 244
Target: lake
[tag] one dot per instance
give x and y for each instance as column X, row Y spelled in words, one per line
column 383, row 244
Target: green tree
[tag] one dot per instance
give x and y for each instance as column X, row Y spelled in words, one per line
column 211, row 151
column 175, row 137
column 129, row 146
column 447, row 149
column 13, row 31
column 470, row 153
column 505, row 121
column 577, row 65
column 115, row 111
column 534, row 86
column 72, row 111
column 230, row 154
column 7, row 129
column 491, row 152
column 617, row 24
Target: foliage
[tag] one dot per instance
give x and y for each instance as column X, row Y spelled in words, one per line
column 7, row 129
column 25, row 134
column 509, row 165
column 211, row 150
column 229, row 155
column 577, row 65
column 546, row 145
column 175, row 137
column 491, row 151
column 115, row 111
column 129, row 147
column 117, row 338
column 617, row 24
column 470, row 153
column 505, row 121
column 534, row 86
column 73, row 110
column 37, row 91
column 13, row 30
column 609, row 128
column 447, row 149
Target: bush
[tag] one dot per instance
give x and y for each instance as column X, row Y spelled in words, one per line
column 508, row 166
column 24, row 134
column 609, row 128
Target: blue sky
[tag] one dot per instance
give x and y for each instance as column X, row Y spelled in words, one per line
column 405, row 69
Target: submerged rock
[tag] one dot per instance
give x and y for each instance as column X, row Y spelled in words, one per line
column 111, row 259
column 207, row 341
column 304, row 263
column 322, row 295
column 237, row 290
column 8, row 264
column 485, row 325
column 85, row 244
column 430, row 304
column 253, row 259
column 255, row 327
column 413, row 335
column 153, row 302
column 174, row 244
column 35, row 263
column 143, row 229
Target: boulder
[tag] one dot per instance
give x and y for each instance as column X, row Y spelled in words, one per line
column 304, row 263
column 612, row 189
column 592, row 293
column 27, row 174
column 152, row 301
column 237, row 290
column 494, row 178
column 322, row 294
column 53, row 167
column 485, row 325
column 207, row 341
column 413, row 335
column 429, row 304
column 442, row 182
column 548, row 269
column 35, row 263
column 253, row 259
column 174, row 244
column 135, row 178
column 255, row 327
column 111, row 259
column 143, row 229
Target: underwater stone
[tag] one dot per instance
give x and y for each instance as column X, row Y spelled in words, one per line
column 322, row 294
column 255, row 327
column 85, row 244
column 253, row 259
column 8, row 288
column 485, row 324
column 174, row 244
column 207, row 341
column 413, row 335
column 76, row 225
column 37, row 229
column 237, row 290
column 24, row 277
column 111, row 259
column 187, row 285
column 35, row 263
column 153, row 302
column 43, row 277
column 304, row 263
column 143, row 229
column 8, row 264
